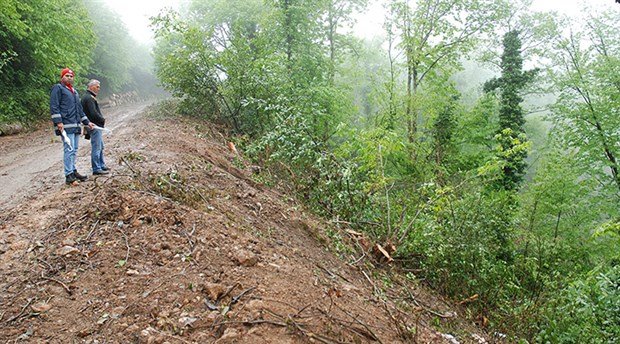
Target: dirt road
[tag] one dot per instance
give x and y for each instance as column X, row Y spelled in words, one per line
column 31, row 162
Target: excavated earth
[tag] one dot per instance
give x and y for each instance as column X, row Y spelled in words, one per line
column 184, row 242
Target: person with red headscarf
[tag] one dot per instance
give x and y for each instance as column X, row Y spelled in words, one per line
column 67, row 113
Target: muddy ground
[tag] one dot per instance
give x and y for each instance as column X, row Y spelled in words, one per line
column 184, row 243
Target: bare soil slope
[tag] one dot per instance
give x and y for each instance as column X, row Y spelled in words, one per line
column 181, row 244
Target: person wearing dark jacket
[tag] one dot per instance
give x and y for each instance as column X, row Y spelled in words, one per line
column 67, row 113
column 91, row 109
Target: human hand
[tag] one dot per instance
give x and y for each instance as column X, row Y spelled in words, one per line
column 60, row 126
column 91, row 125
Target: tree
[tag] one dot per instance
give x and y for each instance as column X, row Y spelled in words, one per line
column 38, row 40
column 511, row 84
column 338, row 13
column 444, row 126
column 435, row 35
column 112, row 58
column 587, row 112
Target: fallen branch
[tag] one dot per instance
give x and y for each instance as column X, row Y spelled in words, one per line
column 427, row 308
column 384, row 253
column 93, row 227
column 228, row 291
column 369, row 334
column 126, row 244
column 20, row 312
column 376, row 290
column 67, row 289
column 333, row 274
column 189, row 238
column 238, row 297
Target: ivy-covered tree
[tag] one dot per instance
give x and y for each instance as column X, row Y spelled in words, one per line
column 511, row 119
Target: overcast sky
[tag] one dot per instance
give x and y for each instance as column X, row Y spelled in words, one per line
column 135, row 14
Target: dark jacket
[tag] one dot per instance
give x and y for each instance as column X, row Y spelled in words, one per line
column 65, row 108
column 91, row 109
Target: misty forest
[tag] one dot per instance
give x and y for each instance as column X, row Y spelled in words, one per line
column 478, row 140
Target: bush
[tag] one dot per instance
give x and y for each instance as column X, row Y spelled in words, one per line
column 587, row 311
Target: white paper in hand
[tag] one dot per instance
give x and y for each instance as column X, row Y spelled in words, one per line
column 66, row 139
column 105, row 130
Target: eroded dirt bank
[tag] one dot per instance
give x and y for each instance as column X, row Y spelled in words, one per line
column 183, row 244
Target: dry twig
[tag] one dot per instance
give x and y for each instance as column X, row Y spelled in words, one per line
column 67, row 289
column 30, row 300
column 126, row 244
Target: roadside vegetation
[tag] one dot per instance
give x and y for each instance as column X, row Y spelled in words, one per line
column 511, row 213
column 38, row 38
column 476, row 142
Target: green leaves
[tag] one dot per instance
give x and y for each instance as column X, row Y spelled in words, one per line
column 414, row 166
column 112, row 54
column 586, row 113
column 586, row 310
column 40, row 40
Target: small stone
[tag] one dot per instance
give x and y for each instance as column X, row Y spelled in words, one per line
column 230, row 334
column 85, row 332
column 255, row 307
column 29, row 332
column 187, row 321
column 103, row 319
column 213, row 290
column 41, row 307
column 245, row 258
column 132, row 329
column 68, row 242
column 118, row 312
column 66, row 250
column 132, row 272
column 156, row 247
column 211, row 317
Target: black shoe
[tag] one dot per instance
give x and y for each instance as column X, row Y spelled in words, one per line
column 101, row 173
column 70, row 178
column 79, row 176
column 105, row 169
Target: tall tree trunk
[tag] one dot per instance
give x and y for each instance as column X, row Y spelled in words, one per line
column 288, row 22
column 331, row 37
column 613, row 162
column 411, row 78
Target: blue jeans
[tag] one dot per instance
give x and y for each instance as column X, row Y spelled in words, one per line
column 96, row 153
column 70, row 154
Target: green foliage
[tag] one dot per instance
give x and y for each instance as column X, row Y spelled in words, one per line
column 112, row 54
column 475, row 130
column 337, row 126
column 587, row 311
column 215, row 57
column 611, row 229
column 586, row 112
column 511, row 137
column 433, row 37
column 510, row 154
column 40, row 38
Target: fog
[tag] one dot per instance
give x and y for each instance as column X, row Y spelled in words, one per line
column 136, row 14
